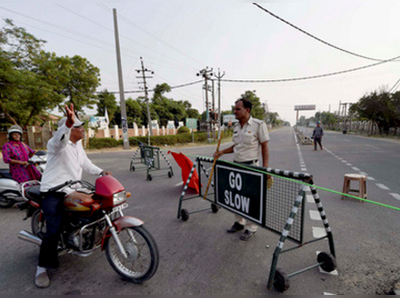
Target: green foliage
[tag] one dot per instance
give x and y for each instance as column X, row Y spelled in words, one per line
column 96, row 143
column 34, row 82
column 379, row 107
column 107, row 100
column 257, row 110
column 183, row 129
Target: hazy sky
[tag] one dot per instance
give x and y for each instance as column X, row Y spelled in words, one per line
column 178, row 38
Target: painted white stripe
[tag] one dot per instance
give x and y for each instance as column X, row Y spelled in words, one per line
column 180, row 183
column 290, row 221
column 349, row 164
column 370, row 178
column 304, row 169
column 318, row 232
column 396, row 196
column 344, row 161
column 310, row 198
column 363, row 173
column 329, row 294
column 314, row 215
column 381, row 186
column 356, row 169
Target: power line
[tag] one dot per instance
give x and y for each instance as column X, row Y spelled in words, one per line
column 152, row 90
column 128, row 21
column 314, row 37
column 310, row 77
column 395, row 86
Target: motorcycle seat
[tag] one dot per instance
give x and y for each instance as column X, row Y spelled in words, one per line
column 34, row 193
column 5, row 173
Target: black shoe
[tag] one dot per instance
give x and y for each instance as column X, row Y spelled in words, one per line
column 236, row 227
column 247, row 235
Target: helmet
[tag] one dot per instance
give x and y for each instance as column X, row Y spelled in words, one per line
column 12, row 129
column 318, row 122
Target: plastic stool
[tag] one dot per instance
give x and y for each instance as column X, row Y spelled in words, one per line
column 362, row 181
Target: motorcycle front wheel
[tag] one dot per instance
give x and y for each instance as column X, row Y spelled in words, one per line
column 142, row 254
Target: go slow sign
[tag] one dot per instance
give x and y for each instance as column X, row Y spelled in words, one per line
column 240, row 191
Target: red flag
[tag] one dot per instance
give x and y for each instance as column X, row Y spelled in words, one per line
column 186, row 166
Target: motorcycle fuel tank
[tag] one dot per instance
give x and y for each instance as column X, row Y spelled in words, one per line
column 78, row 204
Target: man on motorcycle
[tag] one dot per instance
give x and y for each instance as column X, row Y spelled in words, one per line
column 66, row 161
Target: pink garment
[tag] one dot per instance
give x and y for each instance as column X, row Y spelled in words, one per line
column 20, row 151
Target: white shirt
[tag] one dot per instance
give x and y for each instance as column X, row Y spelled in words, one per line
column 247, row 139
column 65, row 161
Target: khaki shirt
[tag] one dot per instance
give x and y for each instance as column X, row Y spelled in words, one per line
column 247, row 139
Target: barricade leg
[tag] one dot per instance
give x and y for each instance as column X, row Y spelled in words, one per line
column 281, row 242
column 168, row 163
column 185, row 188
column 324, row 220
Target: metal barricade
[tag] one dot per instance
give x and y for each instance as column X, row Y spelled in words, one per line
column 150, row 158
column 246, row 191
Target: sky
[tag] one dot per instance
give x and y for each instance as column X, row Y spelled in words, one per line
column 178, row 38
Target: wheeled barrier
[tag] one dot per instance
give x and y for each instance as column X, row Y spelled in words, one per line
column 150, row 158
column 279, row 207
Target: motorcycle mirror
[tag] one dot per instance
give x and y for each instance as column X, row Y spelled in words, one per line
column 40, row 153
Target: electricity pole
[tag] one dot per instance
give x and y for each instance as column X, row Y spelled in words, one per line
column 121, row 85
column 144, row 70
column 219, row 77
column 206, row 74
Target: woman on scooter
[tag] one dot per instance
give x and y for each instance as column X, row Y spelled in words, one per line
column 16, row 153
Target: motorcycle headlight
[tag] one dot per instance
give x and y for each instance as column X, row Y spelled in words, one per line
column 119, row 198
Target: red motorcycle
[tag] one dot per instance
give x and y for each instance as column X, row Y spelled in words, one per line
column 95, row 223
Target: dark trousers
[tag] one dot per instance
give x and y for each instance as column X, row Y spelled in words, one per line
column 317, row 140
column 52, row 206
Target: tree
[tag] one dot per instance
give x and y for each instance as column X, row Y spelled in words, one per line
column 107, row 100
column 257, row 110
column 77, row 79
column 24, row 94
column 377, row 107
column 34, row 82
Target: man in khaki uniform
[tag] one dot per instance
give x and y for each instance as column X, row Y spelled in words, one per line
column 249, row 136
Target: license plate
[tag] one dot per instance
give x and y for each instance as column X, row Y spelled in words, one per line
column 120, row 207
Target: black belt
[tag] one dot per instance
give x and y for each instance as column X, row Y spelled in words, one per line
column 249, row 162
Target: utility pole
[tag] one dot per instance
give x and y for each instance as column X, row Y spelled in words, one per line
column 219, row 77
column 121, row 86
column 206, row 74
column 144, row 70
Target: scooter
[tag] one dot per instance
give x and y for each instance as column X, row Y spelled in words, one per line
column 10, row 193
column 97, row 222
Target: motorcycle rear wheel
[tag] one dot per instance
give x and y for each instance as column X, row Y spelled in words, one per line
column 38, row 223
column 142, row 251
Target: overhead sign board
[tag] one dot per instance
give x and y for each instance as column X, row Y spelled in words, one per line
column 304, row 108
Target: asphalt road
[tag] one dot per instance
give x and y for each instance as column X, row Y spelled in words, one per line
column 199, row 257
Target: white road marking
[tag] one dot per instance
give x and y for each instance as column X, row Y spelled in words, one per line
column 370, row 178
column 396, row 196
column 381, row 186
column 310, row 198
column 314, row 215
column 318, row 232
column 356, row 169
